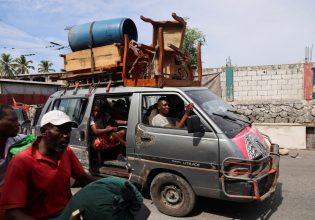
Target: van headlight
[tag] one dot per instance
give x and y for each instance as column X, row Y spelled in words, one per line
column 254, row 147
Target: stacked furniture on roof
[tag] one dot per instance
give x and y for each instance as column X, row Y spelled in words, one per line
column 162, row 63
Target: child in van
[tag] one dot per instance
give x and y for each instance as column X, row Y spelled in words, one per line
column 105, row 128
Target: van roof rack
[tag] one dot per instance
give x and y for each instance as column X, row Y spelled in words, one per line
column 100, row 79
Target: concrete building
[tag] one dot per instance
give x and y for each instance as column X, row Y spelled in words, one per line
column 42, row 77
column 27, row 92
column 278, row 98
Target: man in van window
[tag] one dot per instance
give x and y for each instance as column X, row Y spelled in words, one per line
column 162, row 119
column 37, row 182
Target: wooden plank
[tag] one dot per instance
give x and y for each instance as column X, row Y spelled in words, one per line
column 181, row 83
column 97, row 51
column 161, row 51
column 140, row 82
column 103, row 56
column 160, row 76
column 126, row 48
column 112, row 68
column 84, row 64
column 87, row 74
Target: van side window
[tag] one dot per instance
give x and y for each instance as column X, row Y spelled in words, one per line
column 74, row 107
column 164, row 111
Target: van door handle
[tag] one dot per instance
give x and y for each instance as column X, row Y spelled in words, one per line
column 82, row 136
column 146, row 138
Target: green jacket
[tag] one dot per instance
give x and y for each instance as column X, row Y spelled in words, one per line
column 22, row 144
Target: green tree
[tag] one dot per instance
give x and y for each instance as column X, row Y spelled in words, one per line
column 192, row 37
column 22, row 65
column 45, row 67
column 7, row 66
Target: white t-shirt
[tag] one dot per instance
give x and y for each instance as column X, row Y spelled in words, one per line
column 161, row 121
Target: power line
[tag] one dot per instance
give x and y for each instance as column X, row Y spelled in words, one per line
column 60, row 47
column 28, row 55
column 56, row 44
column 21, row 48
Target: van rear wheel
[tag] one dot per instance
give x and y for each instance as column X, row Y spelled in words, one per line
column 172, row 195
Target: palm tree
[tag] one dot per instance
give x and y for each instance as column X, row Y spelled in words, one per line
column 7, row 65
column 22, row 65
column 45, row 66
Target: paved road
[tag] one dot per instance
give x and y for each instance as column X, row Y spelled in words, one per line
column 293, row 199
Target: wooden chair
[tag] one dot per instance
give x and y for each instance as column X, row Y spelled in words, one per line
column 167, row 40
column 162, row 63
column 173, row 31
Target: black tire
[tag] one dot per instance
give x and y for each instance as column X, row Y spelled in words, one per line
column 172, row 195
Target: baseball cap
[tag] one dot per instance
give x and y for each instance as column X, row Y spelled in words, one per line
column 57, row 117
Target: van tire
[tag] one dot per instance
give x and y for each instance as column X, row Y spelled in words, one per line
column 172, row 195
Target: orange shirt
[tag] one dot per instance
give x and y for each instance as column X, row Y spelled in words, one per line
column 37, row 184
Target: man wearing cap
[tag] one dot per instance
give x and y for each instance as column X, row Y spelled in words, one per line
column 37, row 182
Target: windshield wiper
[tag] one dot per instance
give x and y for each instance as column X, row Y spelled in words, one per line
column 229, row 117
column 249, row 121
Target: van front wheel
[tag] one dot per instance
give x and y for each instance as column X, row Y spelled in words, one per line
column 172, row 195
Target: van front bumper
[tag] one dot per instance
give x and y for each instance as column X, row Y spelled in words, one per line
column 250, row 179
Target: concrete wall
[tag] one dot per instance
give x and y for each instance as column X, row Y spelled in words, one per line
column 287, row 135
column 302, row 112
column 268, row 82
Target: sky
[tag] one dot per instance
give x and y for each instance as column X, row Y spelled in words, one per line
column 250, row 32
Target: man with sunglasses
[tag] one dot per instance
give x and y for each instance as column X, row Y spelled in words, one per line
column 37, row 182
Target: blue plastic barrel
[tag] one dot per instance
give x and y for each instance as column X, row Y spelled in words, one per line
column 103, row 33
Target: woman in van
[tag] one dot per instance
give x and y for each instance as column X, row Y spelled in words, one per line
column 105, row 129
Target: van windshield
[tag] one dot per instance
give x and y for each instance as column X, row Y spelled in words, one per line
column 220, row 112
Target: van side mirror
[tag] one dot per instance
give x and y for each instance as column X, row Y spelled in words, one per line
column 194, row 125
